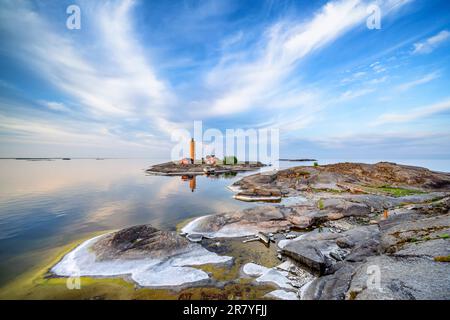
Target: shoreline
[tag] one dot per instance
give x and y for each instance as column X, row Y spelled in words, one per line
column 354, row 214
column 38, row 283
column 336, row 219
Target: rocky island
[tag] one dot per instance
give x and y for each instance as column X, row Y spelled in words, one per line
column 341, row 231
column 173, row 168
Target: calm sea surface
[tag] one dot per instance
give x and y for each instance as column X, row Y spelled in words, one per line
column 48, row 204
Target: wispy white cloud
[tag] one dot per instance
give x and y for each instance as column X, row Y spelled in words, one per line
column 377, row 80
column 250, row 83
column 428, row 45
column 413, row 114
column 114, row 100
column 253, row 79
column 47, row 131
column 232, row 40
column 352, row 94
column 353, row 77
column 120, row 84
column 425, row 79
column 55, row 106
column 40, row 128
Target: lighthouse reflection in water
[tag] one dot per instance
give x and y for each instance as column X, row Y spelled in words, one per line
column 193, row 180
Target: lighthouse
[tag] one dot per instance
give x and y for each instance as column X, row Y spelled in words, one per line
column 192, row 151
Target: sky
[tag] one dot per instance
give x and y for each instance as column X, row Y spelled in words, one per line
column 137, row 71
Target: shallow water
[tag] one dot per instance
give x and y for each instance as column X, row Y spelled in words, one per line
column 48, row 204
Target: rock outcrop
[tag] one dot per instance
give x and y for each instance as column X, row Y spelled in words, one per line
column 401, row 257
column 240, row 223
column 141, row 241
column 346, row 177
column 378, row 231
column 277, row 218
column 406, row 278
column 319, row 251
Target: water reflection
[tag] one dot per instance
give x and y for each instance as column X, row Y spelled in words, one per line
column 192, row 179
column 47, row 204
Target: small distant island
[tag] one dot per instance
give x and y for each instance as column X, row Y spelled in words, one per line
column 297, row 160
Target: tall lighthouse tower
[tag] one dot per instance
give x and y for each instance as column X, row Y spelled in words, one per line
column 192, row 150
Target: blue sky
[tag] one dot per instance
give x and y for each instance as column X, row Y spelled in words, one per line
column 138, row 70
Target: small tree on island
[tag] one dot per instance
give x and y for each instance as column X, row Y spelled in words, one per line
column 230, row 160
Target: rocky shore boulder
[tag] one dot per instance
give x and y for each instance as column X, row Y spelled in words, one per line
column 319, row 251
column 330, row 287
column 239, row 223
column 310, row 254
column 143, row 241
column 409, row 234
column 401, row 278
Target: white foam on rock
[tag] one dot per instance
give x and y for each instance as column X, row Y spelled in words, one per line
column 282, row 295
column 256, row 198
column 264, row 274
column 234, row 189
column 282, row 243
column 234, row 231
column 277, row 277
column 285, row 266
column 170, row 271
column 227, row 231
column 254, row 270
